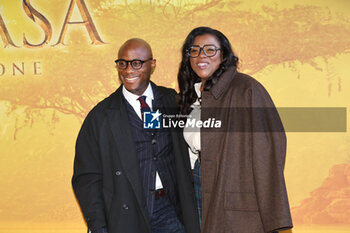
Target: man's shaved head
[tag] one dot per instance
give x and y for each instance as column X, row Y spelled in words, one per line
column 136, row 43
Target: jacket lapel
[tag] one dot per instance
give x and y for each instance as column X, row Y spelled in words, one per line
column 118, row 120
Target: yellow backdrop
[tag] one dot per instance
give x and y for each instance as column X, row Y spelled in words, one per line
column 54, row 69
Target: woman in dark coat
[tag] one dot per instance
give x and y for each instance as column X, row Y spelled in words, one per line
column 239, row 178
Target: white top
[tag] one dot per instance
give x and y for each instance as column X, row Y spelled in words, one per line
column 193, row 135
column 136, row 105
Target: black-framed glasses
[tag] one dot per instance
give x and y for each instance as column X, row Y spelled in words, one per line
column 209, row 50
column 136, row 64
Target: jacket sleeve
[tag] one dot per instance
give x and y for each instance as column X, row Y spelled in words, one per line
column 87, row 176
column 268, row 157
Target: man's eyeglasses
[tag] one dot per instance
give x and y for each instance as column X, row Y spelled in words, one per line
column 209, row 50
column 136, row 64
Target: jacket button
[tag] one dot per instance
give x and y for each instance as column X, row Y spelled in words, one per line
column 125, row 207
column 155, row 158
column 154, row 141
column 118, row 173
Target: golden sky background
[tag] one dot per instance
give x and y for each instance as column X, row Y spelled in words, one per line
column 299, row 50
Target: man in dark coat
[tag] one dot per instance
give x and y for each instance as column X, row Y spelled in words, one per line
column 128, row 179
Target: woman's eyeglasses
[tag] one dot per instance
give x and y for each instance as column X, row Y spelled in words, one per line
column 209, row 50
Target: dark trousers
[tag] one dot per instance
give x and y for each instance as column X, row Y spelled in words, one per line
column 164, row 218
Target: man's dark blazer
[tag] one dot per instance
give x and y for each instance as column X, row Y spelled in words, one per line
column 107, row 180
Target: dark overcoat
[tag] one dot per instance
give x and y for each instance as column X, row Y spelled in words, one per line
column 107, row 180
column 242, row 162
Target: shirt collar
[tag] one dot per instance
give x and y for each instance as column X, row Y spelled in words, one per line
column 130, row 97
column 197, row 88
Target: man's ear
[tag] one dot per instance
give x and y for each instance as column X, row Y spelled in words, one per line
column 153, row 65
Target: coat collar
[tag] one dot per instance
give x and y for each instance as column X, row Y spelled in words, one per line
column 224, row 82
